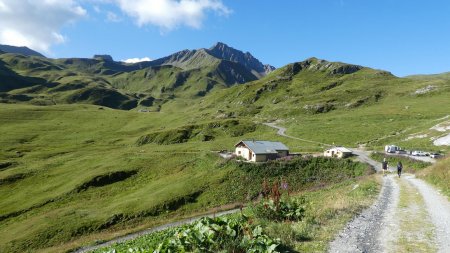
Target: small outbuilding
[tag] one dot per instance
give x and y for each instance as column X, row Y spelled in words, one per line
column 261, row 151
column 339, row 152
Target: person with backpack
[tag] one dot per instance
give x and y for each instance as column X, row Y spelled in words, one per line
column 384, row 166
column 399, row 168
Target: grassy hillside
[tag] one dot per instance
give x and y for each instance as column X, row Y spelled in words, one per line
column 76, row 170
column 19, row 50
column 439, row 175
column 442, row 76
column 43, row 81
column 70, row 171
column 173, row 82
column 339, row 103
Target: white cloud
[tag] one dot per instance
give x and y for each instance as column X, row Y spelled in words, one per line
column 170, row 14
column 36, row 24
column 112, row 17
column 136, row 60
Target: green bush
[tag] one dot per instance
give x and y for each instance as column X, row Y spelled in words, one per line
column 287, row 209
column 230, row 234
column 244, row 180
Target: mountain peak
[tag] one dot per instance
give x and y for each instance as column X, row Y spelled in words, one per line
column 319, row 65
column 103, row 57
column 223, row 51
column 219, row 45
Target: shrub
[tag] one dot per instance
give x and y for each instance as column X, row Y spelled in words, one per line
column 230, row 234
column 288, row 209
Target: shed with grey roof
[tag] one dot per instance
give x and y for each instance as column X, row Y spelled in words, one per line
column 261, row 151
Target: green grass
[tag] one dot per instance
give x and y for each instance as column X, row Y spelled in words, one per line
column 44, row 81
column 368, row 107
column 59, row 149
column 327, row 211
column 439, row 175
column 330, row 209
column 63, row 179
column 61, row 185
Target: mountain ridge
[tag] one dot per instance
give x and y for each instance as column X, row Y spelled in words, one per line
column 196, row 58
column 223, row 51
column 20, row 50
column 189, row 74
column 319, row 85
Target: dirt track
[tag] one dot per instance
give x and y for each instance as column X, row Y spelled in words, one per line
column 408, row 216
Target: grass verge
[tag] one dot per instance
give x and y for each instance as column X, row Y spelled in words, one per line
column 438, row 175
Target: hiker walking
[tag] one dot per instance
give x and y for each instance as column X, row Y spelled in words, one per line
column 384, row 166
column 399, row 168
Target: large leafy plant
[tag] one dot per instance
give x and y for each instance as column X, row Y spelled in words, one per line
column 277, row 205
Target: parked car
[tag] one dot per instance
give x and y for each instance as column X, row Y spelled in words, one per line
column 391, row 148
column 418, row 153
column 435, row 155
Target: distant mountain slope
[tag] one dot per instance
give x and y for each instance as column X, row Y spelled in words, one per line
column 223, row 51
column 167, row 81
column 441, row 76
column 10, row 80
column 311, row 86
column 201, row 59
column 191, row 59
column 186, row 74
column 19, row 50
column 187, row 59
column 43, row 81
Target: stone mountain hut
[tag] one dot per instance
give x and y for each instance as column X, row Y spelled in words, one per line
column 261, row 151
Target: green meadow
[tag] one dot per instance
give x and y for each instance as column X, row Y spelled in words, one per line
column 76, row 172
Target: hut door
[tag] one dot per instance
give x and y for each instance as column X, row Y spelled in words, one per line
column 250, row 154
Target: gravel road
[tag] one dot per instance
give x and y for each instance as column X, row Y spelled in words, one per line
column 438, row 208
column 408, row 216
column 391, row 225
column 363, row 233
column 398, row 221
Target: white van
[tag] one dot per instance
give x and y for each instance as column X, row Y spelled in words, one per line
column 391, row 148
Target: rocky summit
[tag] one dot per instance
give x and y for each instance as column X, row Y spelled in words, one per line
column 223, row 51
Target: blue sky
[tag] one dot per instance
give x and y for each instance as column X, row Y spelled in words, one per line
column 404, row 37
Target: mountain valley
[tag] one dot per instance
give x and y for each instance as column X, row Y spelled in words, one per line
column 96, row 148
